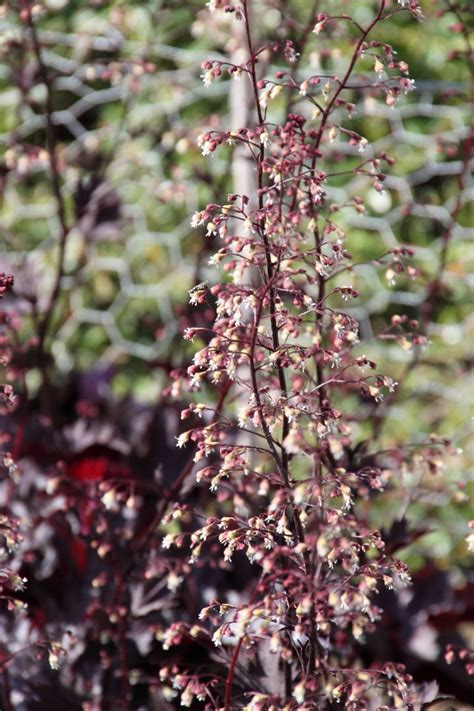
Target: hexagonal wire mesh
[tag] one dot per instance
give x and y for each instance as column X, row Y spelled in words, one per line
column 129, row 258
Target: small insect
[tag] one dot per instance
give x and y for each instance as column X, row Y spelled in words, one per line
column 197, row 292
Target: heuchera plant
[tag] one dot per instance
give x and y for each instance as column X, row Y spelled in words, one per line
column 287, row 410
column 10, row 535
column 282, row 450
column 10, row 581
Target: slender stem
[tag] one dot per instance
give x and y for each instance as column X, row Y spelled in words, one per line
column 343, row 83
column 51, row 144
column 295, row 520
column 305, row 33
column 6, row 689
column 231, row 673
column 266, row 243
column 123, row 661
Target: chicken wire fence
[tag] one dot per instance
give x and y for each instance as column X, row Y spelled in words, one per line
column 127, row 111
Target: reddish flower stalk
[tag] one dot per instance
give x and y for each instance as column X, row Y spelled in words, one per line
column 288, row 346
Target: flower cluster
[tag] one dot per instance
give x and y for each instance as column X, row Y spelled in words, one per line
column 10, row 535
column 283, row 351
